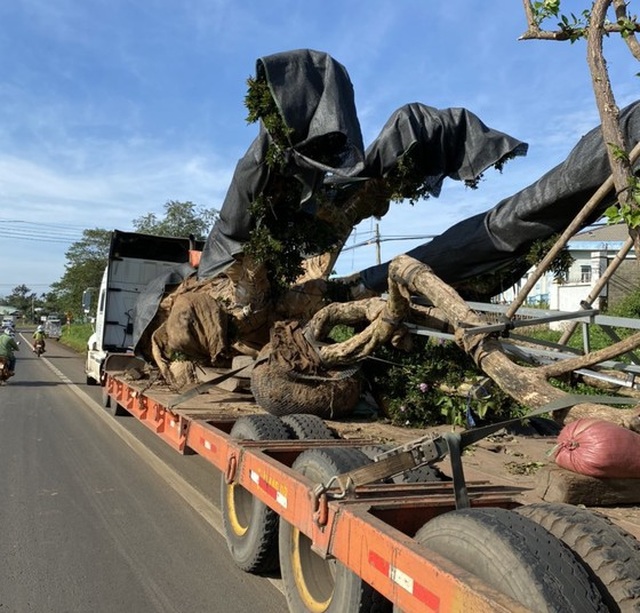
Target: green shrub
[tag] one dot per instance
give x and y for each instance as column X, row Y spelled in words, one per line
column 629, row 306
column 418, row 388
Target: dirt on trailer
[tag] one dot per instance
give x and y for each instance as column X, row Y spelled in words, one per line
column 517, row 459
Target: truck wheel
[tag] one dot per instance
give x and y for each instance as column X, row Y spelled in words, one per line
column 303, row 426
column 610, row 555
column 250, row 526
column 91, row 381
column 312, row 583
column 112, row 407
column 514, row 555
column 117, row 410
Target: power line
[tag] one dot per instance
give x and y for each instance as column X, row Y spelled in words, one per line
column 385, row 239
column 40, row 223
column 39, row 231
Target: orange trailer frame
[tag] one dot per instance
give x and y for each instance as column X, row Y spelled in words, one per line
column 368, row 531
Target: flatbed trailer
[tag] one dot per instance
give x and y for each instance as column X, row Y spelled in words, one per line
column 368, row 529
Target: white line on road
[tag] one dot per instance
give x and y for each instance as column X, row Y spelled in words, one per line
column 199, row 503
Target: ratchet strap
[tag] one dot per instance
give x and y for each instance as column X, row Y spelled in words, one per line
column 205, row 385
column 432, row 449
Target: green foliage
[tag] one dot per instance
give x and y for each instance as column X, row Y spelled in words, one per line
column 572, row 27
column 627, row 211
column 412, row 388
column 262, row 106
column 628, row 26
column 21, row 298
column 180, row 219
column 629, row 306
column 341, row 333
column 598, row 339
column 76, row 336
column 545, row 9
column 407, row 180
column 282, row 233
column 559, row 266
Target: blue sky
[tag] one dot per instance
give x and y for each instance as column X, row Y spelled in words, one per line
column 111, row 108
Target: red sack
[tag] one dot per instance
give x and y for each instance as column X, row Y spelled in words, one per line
column 598, row 448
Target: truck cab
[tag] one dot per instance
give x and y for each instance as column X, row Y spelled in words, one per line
column 134, row 261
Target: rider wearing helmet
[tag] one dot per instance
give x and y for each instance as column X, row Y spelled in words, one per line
column 7, row 346
column 39, row 336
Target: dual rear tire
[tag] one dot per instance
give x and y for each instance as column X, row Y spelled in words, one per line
column 545, row 557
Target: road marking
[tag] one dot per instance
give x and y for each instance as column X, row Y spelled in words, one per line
column 199, row 503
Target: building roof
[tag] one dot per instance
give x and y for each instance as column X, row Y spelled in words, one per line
column 618, row 232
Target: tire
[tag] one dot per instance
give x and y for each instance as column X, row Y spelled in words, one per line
column 310, row 582
column 112, row 407
column 117, row 410
column 91, row 381
column 610, row 555
column 279, row 393
column 250, row 526
column 515, row 556
column 304, row 426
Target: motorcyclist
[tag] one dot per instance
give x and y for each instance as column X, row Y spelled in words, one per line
column 7, row 347
column 39, row 336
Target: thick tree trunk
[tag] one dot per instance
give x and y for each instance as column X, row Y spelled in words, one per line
column 528, row 385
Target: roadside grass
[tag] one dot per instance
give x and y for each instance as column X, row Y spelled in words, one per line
column 75, row 336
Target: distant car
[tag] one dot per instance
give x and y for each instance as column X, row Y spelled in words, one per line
column 53, row 328
column 8, row 322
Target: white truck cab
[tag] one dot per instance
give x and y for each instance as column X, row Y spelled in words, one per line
column 134, row 261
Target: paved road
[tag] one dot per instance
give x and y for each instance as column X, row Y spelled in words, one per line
column 99, row 515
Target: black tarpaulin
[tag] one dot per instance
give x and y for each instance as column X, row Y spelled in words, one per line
column 493, row 240
column 452, row 143
column 315, row 98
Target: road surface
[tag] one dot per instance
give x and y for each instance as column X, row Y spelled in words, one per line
column 99, row 515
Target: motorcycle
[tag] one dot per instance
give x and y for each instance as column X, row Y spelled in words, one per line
column 5, row 373
column 38, row 348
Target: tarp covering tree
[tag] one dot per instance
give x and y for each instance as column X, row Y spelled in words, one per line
column 296, row 195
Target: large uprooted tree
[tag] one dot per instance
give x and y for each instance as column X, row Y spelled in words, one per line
column 262, row 288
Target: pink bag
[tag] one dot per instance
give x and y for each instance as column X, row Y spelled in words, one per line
column 598, row 448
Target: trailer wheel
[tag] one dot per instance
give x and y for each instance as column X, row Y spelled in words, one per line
column 305, row 426
column 514, row 555
column 312, row 583
column 106, row 399
column 250, row 526
column 610, row 555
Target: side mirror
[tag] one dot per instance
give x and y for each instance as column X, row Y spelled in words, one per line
column 86, row 300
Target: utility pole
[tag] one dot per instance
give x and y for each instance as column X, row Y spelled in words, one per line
column 378, row 255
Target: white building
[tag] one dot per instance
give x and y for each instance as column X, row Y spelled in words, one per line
column 592, row 250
